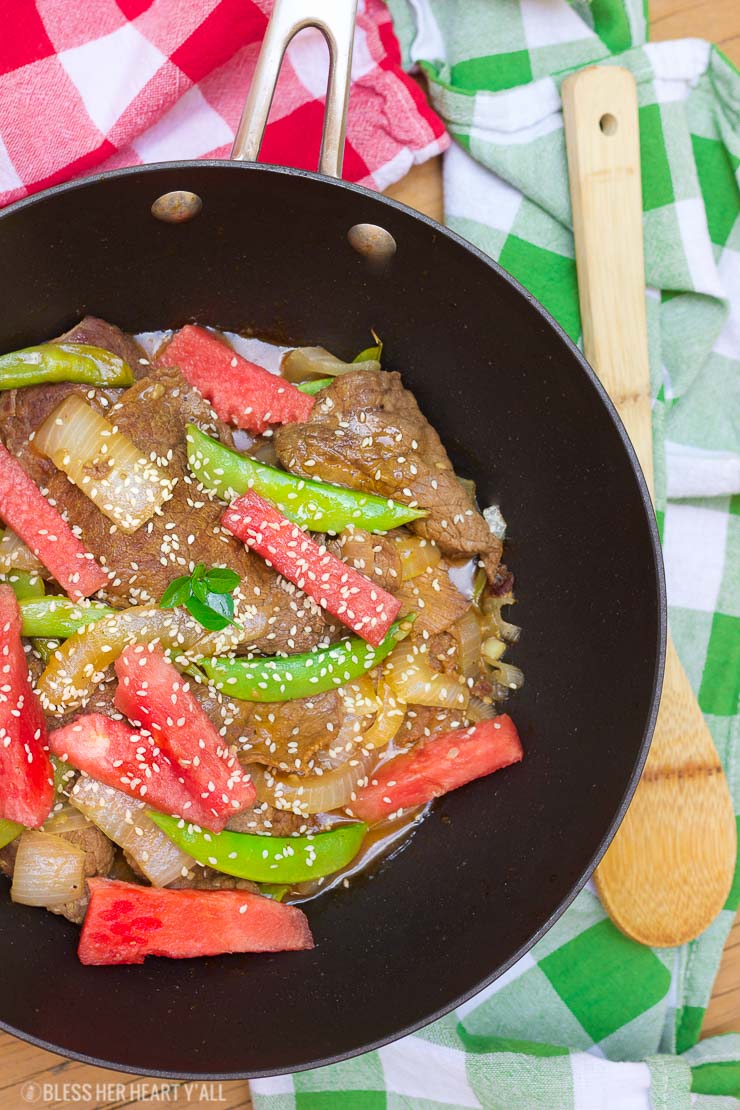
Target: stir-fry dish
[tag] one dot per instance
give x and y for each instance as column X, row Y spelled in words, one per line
column 251, row 625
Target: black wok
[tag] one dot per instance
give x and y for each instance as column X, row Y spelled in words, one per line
column 522, row 414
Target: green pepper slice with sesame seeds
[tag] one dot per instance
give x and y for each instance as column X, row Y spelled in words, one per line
column 63, row 362
column 271, row 678
column 317, row 506
column 9, row 830
column 58, row 617
column 266, row 859
column 24, row 583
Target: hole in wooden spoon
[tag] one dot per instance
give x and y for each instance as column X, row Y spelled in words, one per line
column 608, row 123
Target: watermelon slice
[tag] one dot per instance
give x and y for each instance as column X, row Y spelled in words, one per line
column 155, row 696
column 24, row 509
column 125, row 923
column 132, row 762
column 26, row 774
column 437, row 766
column 345, row 593
column 241, row 392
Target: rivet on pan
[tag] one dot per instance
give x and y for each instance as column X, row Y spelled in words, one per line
column 373, row 242
column 177, row 207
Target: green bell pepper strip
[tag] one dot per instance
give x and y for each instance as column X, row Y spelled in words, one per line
column 9, row 830
column 266, row 859
column 44, row 647
column 24, row 583
column 314, row 387
column 276, row 891
column 283, row 678
column 63, row 362
column 317, row 506
column 58, row 617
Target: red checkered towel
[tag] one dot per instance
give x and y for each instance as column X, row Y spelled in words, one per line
column 88, row 85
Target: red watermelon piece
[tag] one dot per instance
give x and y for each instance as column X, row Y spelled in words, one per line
column 345, row 593
column 241, row 392
column 24, row 509
column 126, row 923
column 155, row 696
column 130, row 761
column 26, row 774
column 437, row 766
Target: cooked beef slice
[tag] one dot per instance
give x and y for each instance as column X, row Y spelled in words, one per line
column 264, row 818
column 374, row 556
column 366, row 431
column 99, row 333
column 205, row 878
column 287, row 734
column 422, row 721
column 434, row 599
column 442, row 652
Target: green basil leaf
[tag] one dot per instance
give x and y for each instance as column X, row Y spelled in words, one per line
column 206, row 616
column 222, row 603
column 198, row 573
column 176, row 593
column 221, row 580
column 199, row 589
column 371, row 353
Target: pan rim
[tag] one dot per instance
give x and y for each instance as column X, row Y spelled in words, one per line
column 658, row 574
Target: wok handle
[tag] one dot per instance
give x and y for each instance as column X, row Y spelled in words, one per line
column 336, row 21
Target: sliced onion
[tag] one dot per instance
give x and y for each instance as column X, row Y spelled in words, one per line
column 305, row 363
column 468, row 635
column 65, row 819
column 306, row 794
column 409, row 673
column 125, row 822
column 389, row 719
column 49, row 871
column 14, row 555
column 479, row 710
column 492, row 649
column 510, row 677
column 359, row 697
column 493, row 624
column 111, row 470
column 416, row 555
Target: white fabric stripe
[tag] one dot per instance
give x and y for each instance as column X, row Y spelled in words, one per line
column 429, row 45
column 728, row 342
column 680, row 60
column 551, row 22
column 420, row 1069
column 526, row 134
column 603, row 1085
column 9, row 179
column 475, row 193
column 273, row 1085
column 693, row 552
column 526, row 962
column 692, row 222
column 519, row 107
column 190, row 129
column 110, row 71
column 696, row 472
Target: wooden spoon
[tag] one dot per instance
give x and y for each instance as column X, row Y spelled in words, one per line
column 668, row 871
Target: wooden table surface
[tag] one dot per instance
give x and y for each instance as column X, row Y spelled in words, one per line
column 24, row 1069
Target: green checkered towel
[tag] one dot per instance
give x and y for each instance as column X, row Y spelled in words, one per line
column 589, row 1019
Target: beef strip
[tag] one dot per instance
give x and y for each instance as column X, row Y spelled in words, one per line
column 374, row 556
column 99, row 333
column 435, row 600
column 288, row 734
column 366, row 431
column 422, row 721
column 205, row 878
column 264, row 818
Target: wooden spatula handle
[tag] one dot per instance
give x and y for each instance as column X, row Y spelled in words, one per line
column 600, row 116
column 668, row 870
